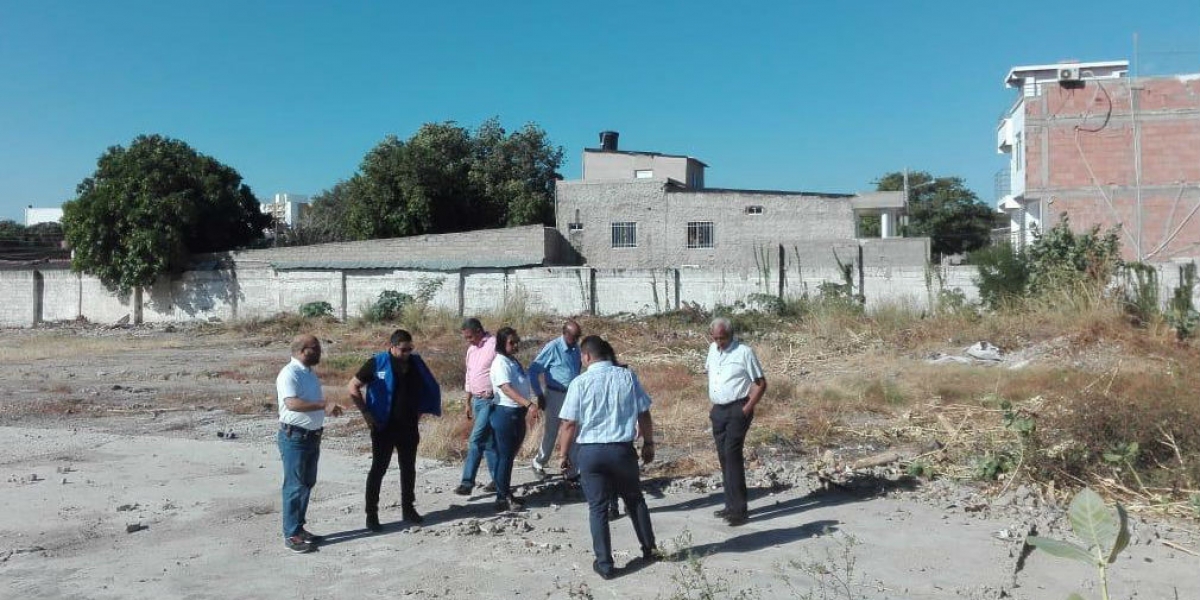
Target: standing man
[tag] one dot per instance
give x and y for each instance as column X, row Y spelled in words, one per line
column 735, row 385
column 559, row 363
column 602, row 412
column 481, row 351
column 302, row 409
column 399, row 389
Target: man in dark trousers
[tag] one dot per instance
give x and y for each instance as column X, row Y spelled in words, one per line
column 602, row 413
column 398, row 389
column 736, row 383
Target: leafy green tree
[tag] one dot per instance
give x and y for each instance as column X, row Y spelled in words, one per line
column 39, row 241
column 446, row 178
column 151, row 205
column 944, row 210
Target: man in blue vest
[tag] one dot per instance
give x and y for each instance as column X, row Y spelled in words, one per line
column 392, row 390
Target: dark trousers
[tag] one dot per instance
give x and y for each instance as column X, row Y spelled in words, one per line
column 605, row 471
column 729, row 427
column 403, row 438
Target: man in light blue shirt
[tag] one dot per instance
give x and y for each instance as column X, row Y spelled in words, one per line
column 559, row 364
column 602, row 414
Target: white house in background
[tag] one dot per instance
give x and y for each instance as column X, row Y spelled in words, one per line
column 33, row 216
column 1022, row 189
column 286, row 208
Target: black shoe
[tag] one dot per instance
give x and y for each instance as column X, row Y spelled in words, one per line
column 298, row 545
column 605, row 574
column 614, row 513
column 650, row 554
column 721, row 514
column 502, row 506
column 736, row 520
column 309, row 537
column 411, row 515
column 490, row 487
column 516, row 503
column 373, row 522
column 463, row 489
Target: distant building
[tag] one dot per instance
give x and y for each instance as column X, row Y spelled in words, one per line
column 648, row 209
column 33, row 216
column 1088, row 141
column 286, row 208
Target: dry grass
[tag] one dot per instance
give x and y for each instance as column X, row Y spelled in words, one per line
column 70, row 345
column 838, row 377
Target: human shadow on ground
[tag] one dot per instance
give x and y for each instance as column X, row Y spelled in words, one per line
column 452, row 513
column 855, row 489
column 758, row 540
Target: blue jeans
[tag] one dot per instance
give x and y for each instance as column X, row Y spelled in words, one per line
column 300, row 454
column 509, row 424
column 610, row 471
column 482, row 442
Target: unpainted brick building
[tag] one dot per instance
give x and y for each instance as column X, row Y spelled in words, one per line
column 1087, row 141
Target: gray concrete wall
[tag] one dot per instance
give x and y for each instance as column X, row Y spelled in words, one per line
column 60, row 299
column 808, row 224
column 510, row 246
column 616, row 166
column 17, row 298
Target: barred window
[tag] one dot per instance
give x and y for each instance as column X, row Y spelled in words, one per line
column 624, row 234
column 700, row 234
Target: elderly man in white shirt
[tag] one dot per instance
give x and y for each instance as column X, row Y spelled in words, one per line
column 603, row 411
column 736, row 383
column 302, row 407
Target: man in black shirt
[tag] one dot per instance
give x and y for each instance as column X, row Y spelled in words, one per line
column 392, row 390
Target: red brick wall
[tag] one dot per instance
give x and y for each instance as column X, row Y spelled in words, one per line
column 1077, row 167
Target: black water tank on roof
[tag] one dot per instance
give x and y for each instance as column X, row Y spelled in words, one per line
column 608, row 141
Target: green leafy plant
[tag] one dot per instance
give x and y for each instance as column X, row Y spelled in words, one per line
column 388, row 306
column 1104, row 533
column 1141, row 291
column 920, row 468
column 990, row 466
column 1181, row 312
column 315, row 310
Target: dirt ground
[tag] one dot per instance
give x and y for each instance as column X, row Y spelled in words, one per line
column 120, row 478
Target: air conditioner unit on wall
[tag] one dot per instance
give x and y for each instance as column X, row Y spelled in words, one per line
column 1068, row 74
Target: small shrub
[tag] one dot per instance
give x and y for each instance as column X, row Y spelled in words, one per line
column 1181, row 312
column 387, row 307
column 316, row 310
column 1003, row 274
column 1141, row 292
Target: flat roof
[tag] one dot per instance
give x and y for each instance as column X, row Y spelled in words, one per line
column 1013, row 75
column 638, row 153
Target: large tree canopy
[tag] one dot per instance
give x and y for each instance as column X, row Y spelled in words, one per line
column 445, row 178
column 944, row 210
column 149, row 206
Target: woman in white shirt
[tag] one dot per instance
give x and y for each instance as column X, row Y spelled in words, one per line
column 514, row 399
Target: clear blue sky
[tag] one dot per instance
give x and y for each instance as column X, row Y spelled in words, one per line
column 772, row 95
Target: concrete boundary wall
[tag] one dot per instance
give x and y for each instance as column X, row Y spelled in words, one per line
column 256, row 290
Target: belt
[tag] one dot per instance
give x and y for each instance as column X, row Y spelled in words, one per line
column 738, row 401
column 290, row 430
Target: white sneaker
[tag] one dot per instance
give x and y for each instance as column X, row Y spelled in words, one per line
column 538, row 470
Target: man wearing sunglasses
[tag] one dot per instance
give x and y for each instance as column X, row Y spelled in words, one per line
column 392, row 390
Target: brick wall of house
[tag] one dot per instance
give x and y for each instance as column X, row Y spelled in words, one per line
column 1080, row 160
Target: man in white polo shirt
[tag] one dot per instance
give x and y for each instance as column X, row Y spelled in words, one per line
column 302, row 408
column 735, row 385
